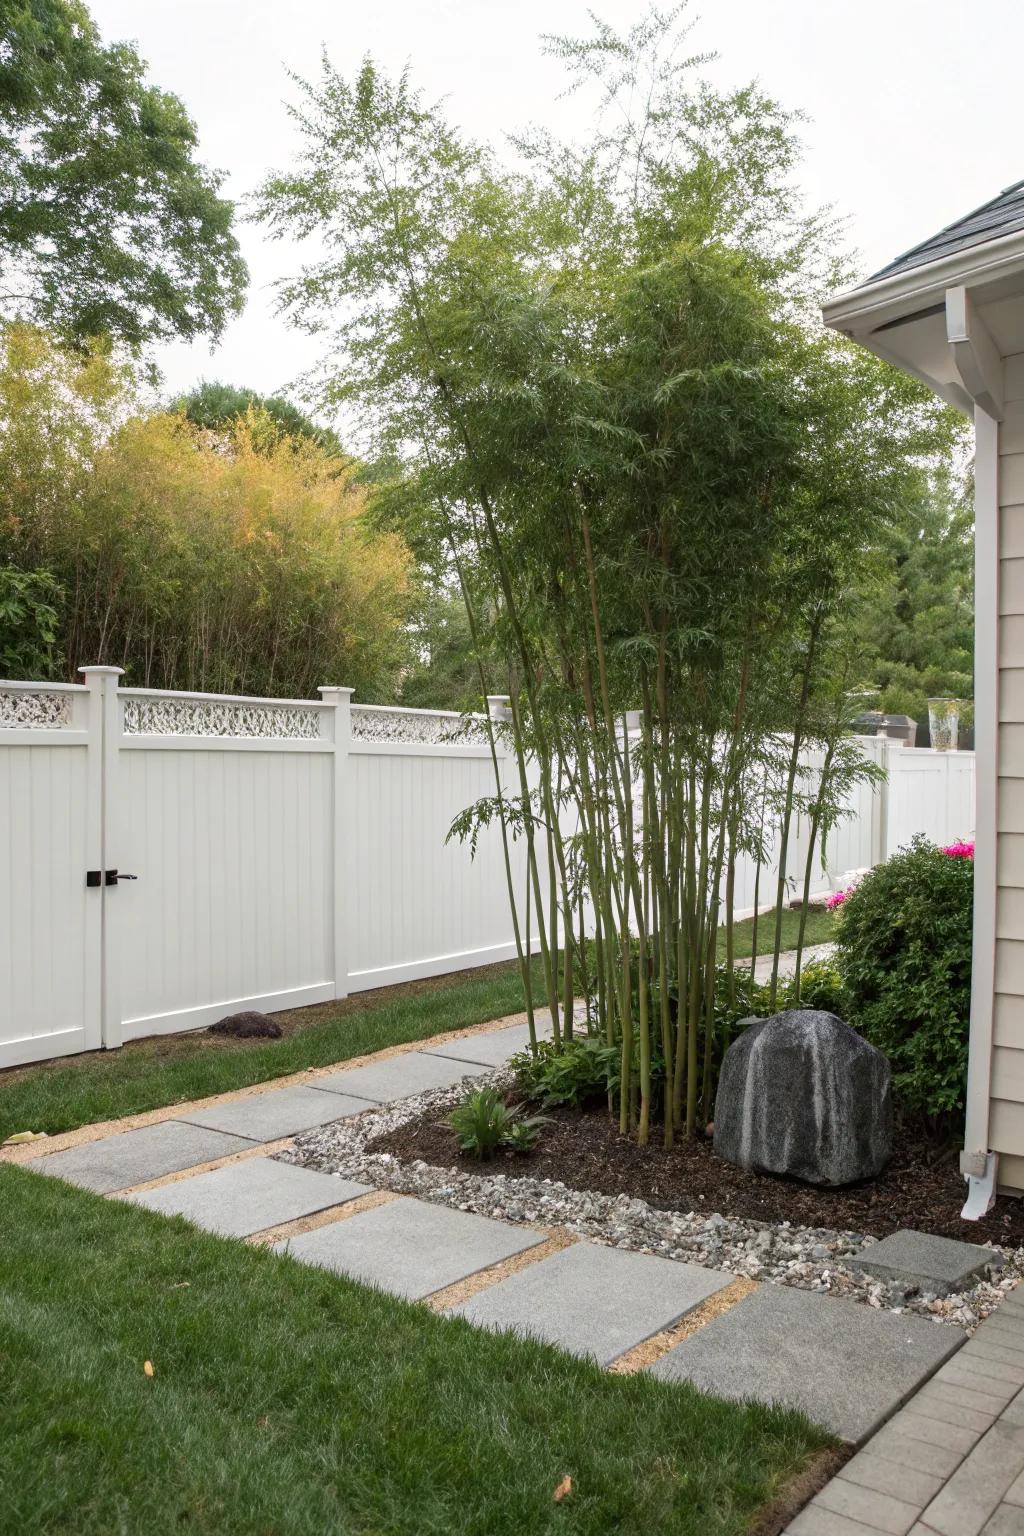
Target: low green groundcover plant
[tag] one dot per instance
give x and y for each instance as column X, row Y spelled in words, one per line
column 903, row 948
column 485, row 1124
column 577, row 1074
column 288, row 1400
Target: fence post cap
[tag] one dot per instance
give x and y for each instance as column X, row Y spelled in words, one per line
column 332, row 692
column 101, row 671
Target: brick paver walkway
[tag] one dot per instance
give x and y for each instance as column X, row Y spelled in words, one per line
column 951, row 1462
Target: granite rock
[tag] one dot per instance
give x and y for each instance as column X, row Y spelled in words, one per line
column 803, row 1094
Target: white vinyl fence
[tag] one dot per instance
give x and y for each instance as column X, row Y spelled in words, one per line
column 171, row 858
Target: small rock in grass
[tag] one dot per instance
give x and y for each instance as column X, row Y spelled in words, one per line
column 248, row 1025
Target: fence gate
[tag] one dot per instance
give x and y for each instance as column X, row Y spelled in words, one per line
column 51, row 837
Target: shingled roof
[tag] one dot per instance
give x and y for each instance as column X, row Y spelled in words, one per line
column 1003, row 215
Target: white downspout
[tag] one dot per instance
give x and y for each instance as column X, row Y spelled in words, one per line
column 977, row 1163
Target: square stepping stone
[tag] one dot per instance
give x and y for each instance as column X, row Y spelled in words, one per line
column 399, row 1077
column 280, row 1112
column 592, row 1300
column 490, row 1049
column 938, row 1264
column 250, row 1196
column 843, row 1364
column 134, row 1157
column 411, row 1248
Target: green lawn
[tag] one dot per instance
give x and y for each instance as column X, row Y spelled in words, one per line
column 169, row 1069
column 290, row 1402
column 820, row 930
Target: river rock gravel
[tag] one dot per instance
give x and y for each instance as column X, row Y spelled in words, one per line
column 810, row 1258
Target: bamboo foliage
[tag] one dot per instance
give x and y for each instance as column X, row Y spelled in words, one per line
column 238, row 562
column 649, row 472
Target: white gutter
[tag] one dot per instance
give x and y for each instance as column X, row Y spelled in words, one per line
column 977, row 1163
column 916, row 287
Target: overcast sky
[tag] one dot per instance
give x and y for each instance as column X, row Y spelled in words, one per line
column 914, row 106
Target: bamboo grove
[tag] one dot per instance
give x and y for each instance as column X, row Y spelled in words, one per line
column 657, row 485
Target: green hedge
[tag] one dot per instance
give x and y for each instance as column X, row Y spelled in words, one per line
column 904, row 954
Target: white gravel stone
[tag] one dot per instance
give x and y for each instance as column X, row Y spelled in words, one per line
column 809, row 1258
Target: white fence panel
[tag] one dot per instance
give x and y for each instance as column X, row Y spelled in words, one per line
column 287, row 852
column 230, row 839
column 930, row 793
column 419, row 907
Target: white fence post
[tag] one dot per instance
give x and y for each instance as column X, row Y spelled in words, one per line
column 341, row 810
column 104, row 732
column 875, row 747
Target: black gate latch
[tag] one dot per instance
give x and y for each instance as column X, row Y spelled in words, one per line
column 110, row 877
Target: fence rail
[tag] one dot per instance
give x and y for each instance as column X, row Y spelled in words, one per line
column 174, row 857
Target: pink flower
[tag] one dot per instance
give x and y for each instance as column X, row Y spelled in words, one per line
column 959, row 850
column 835, row 900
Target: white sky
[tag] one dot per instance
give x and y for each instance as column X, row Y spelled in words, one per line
column 914, row 105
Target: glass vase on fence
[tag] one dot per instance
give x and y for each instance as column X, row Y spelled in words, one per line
column 944, row 724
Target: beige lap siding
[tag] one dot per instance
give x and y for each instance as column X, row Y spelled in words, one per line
column 1006, row 1134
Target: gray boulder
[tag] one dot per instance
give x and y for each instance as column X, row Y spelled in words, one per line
column 803, row 1094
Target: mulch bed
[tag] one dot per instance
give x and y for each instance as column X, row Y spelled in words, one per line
column 921, row 1188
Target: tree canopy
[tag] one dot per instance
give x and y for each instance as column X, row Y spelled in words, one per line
column 214, row 405
column 109, row 224
column 131, row 537
column 917, row 622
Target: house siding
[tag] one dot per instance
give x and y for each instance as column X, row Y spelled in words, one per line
column 1006, row 1132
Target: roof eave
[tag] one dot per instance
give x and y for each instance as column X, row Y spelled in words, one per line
column 865, row 307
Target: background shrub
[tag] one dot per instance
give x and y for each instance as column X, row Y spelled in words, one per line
column 904, row 952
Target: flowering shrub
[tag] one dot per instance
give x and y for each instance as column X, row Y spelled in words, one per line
column 904, row 952
column 835, row 900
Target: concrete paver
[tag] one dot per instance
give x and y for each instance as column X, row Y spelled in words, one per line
column 880, row 1511
column 871, row 1471
column 963, row 1472
column 845, row 1365
column 411, row 1248
column 492, row 1049
column 247, row 1197
column 134, row 1157
column 599, row 1323
column 399, row 1077
column 936, row 1264
column 977, row 1487
column 279, row 1112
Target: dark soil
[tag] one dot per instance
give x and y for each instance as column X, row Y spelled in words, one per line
column 921, row 1188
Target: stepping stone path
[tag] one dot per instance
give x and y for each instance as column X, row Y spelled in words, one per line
column 619, row 1299
column 399, row 1077
column 134, row 1157
column 279, row 1112
column 410, row 1248
column 946, row 1453
column 845, row 1365
column 248, row 1197
column 936, row 1264
column 491, row 1050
